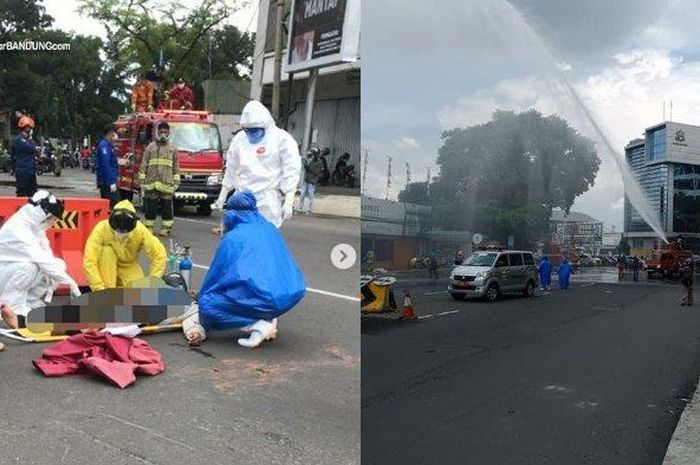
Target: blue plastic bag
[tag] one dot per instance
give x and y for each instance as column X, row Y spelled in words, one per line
column 253, row 275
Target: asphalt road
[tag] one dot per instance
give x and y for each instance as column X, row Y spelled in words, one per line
column 597, row 375
column 294, row 401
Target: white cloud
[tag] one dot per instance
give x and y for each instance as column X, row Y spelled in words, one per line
column 625, row 98
column 407, row 143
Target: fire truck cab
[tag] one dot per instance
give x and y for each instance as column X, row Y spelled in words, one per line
column 667, row 260
column 200, row 154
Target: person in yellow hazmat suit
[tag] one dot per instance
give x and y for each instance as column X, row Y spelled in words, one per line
column 112, row 250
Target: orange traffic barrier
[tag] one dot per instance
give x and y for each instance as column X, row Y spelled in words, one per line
column 69, row 235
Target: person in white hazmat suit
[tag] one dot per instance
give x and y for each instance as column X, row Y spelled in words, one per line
column 264, row 160
column 29, row 271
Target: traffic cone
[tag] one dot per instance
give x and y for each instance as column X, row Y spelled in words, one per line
column 407, row 312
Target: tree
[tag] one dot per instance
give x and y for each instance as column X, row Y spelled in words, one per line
column 142, row 29
column 415, row 192
column 504, row 177
column 70, row 93
column 18, row 17
column 623, row 246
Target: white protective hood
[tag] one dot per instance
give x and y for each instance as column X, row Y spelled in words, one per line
column 23, row 240
column 255, row 115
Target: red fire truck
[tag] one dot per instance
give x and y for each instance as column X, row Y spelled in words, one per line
column 667, row 260
column 199, row 153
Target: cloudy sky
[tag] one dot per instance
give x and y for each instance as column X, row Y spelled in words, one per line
column 427, row 69
column 67, row 18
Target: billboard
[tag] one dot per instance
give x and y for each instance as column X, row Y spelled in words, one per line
column 322, row 33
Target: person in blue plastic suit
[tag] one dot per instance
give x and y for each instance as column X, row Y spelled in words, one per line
column 565, row 271
column 545, row 270
column 252, row 280
column 106, row 168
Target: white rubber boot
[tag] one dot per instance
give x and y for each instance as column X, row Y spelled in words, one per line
column 261, row 331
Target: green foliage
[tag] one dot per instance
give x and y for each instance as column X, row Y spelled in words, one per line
column 415, row 192
column 76, row 92
column 187, row 37
column 504, row 177
column 623, row 246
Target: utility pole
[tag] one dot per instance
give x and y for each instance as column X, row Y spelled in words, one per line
column 364, row 171
column 408, row 174
column 427, row 184
column 388, row 179
column 276, row 84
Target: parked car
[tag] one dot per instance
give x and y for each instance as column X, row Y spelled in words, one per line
column 489, row 274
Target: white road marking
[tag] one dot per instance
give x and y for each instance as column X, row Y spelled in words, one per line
column 310, row 289
column 431, row 315
column 448, row 313
column 435, row 292
column 218, row 223
column 587, row 285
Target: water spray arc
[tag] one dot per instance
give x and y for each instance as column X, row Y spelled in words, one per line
column 633, row 191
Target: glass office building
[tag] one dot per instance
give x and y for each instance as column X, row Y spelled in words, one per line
column 666, row 163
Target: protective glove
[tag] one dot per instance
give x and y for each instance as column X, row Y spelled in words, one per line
column 74, row 289
column 113, row 188
column 288, row 205
column 133, row 108
column 219, row 204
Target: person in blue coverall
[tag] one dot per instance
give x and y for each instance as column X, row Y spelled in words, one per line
column 545, row 270
column 106, row 168
column 252, row 280
column 565, row 271
column 24, row 156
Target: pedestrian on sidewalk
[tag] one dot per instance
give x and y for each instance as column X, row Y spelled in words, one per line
column 312, row 172
column 565, row 271
column 106, row 168
column 432, row 265
column 621, row 267
column 159, row 177
column 24, row 156
column 545, row 270
column 687, row 273
column 635, row 268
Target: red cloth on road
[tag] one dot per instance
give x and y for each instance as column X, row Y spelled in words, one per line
column 115, row 358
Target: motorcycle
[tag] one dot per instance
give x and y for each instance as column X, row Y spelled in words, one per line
column 67, row 160
column 344, row 174
column 346, row 177
column 48, row 163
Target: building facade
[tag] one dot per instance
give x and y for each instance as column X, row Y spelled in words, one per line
column 394, row 231
column 666, row 163
column 576, row 230
column 336, row 119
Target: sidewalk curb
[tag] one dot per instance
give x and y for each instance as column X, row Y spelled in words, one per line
column 684, row 448
column 331, row 205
